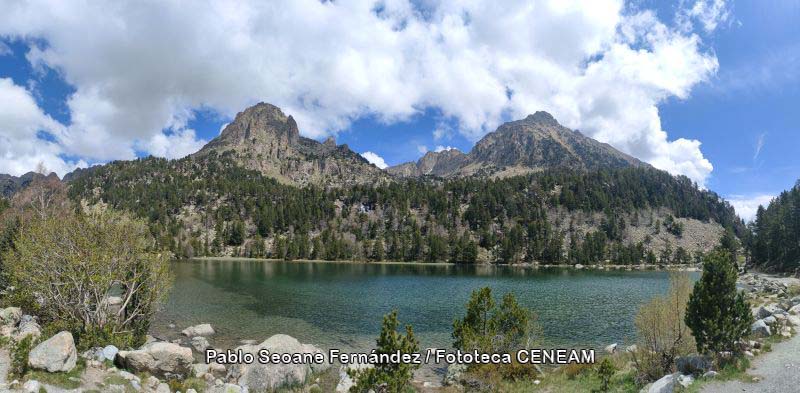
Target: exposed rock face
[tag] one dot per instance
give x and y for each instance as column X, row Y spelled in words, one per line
column 268, row 377
column 56, row 354
column 165, row 360
column 10, row 185
column 263, row 138
column 531, row 144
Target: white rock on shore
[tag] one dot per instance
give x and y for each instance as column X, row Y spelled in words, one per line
column 165, row 360
column 269, row 377
column 56, row 354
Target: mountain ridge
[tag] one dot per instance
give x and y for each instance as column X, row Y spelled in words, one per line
column 527, row 145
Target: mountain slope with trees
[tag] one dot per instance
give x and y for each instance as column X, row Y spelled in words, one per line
column 775, row 244
column 211, row 205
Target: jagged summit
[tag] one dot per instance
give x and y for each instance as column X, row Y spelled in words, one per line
column 265, row 139
column 531, row 144
column 542, row 117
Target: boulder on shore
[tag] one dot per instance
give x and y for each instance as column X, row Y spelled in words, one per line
column 162, row 359
column 203, row 329
column 56, row 354
column 766, row 311
column 200, row 344
column 760, row 328
column 27, row 327
column 268, row 377
column 664, row 385
column 611, row 348
column 693, row 364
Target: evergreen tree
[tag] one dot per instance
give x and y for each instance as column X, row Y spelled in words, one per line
column 717, row 313
column 388, row 377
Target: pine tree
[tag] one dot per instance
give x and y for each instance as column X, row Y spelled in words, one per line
column 389, row 377
column 717, row 313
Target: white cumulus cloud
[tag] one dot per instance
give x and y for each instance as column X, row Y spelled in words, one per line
column 374, row 159
column 26, row 134
column 747, row 206
column 140, row 68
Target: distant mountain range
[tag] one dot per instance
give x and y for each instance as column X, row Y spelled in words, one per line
column 264, row 139
column 556, row 196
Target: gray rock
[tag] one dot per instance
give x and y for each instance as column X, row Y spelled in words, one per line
column 693, row 365
column 10, row 316
column 32, row 386
column 162, row 388
column 710, row 374
column 664, row 385
column 765, row 311
column 215, row 369
column 611, row 348
column 795, row 310
column 200, row 343
column 55, row 354
column 109, row 352
column 28, row 327
column 226, row 388
column 165, row 360
column 759, row 328
column 770, row 320
column 631, row 348
column 685, row 380
column 269, row 377
column 203, row 329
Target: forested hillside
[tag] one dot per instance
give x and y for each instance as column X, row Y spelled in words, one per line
column 209, row 205
column 776, row 233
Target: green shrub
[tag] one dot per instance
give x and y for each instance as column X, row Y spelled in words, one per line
column 91, row 255
column 19, row 356
column 605, row 370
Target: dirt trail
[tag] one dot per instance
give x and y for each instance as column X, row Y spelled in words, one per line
column 778, row 370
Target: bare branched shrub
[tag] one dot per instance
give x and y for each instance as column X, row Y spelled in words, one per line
column 662, row 333
column 69, row 267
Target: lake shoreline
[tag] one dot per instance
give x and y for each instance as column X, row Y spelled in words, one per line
column 683, row 268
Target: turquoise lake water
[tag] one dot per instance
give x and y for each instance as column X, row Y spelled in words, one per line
column 340, row 305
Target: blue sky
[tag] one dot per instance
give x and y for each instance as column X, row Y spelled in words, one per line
column 685, row 85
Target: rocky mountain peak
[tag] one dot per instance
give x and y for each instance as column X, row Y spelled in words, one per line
column 542, row 117
column 265, row 139
column 260, row 124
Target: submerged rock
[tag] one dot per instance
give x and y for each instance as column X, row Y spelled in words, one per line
column 203, row 329
column 56, row 354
